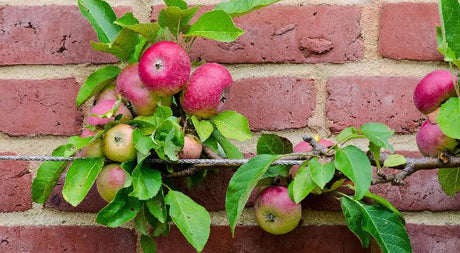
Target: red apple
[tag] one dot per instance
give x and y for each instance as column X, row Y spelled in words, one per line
column 111, row 179
column 108, row 93
column 192, row 147
column 275, row 212
column 93, row 149
column 105, row 106
column 118, row 144
column 431, row 141
column 165, row 68
column 202, row 96
column 433, row 90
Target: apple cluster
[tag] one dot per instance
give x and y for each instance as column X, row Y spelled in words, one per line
column 161, row 75
column 433, row 90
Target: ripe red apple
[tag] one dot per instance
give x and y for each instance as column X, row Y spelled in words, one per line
column 192, row 147
column 105, row 106
column 111, row 179
column 165, row 68
column 202, row 96
column 431, row 141
column 93, row 149
column 275, row 212
column 108, row 93
column 118, row 144
column 434, row 89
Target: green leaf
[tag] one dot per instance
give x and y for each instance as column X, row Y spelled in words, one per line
column 176, row 19
column 449, row 118
column 142, row 143
column 80, row 178
column 240, row 7
column 302, row 185
column 146, row 182
column 157, row 207
column 242, row 183
column 375, row 151
column 356, row 166
column 136, row 55
column 347, row 134
column 148, row 245
column 354, row 218
column 177, row 3
column 122, row 47
column 78, row 142
column 203, row 128
column 215, row 25
column 96, row 82
column 48, row 175
column 321, row 173
column 384, row 203
column 385, row 226
column 231, row 150
column 449, row 180
column 163, row 112
column 449, row 11
column 277, row 170
column 378, row 134
column 148, row 30
column 232, row 125
column 101, row 16
column 140, row 221
column 273, row 144
column 394, row 160
column 121, row 210
column 169, row 139
column 192, row 219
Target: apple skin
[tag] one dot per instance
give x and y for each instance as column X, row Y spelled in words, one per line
column 431, row 141
column 105, row 106
column 111, row 179
column 165, row 68
column 202, row 96
column 275, row 212
column 108, row 93
column 192, row 147
column 118, row 143
column 434, row 89
column 93, row 149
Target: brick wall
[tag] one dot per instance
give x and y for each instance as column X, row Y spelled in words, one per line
column 302, row 67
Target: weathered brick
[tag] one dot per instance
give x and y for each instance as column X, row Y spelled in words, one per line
column 353, row 101
column 39, row 107
column 273, row 103
column 428, row 239
column 271, row 37
column 47, row 35
column 15, row 182
column 408, row 31
column 253, row 239
column 66, row 239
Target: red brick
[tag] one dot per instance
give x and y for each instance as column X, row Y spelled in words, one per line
column 353, row 101
column 253, row 239
column 427, row 239
column 273, row 103
column 39, row 107
column 47, row 35
column 408, row 31
column 15, row 183
column 309, row 35
column 66, row 239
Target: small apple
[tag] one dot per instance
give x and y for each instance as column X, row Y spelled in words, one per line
column 93, row 149
column 111, row 179
column 108, row 93
column 105, row 106
column 192, row 147
column 118, row 144
column 202, row 96
column 275, row 212
column 164, row 68
column 434, row 89
column 431, row 141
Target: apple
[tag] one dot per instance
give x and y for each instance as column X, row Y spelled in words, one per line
column 105, row 106
column 434, row 89
column 165, row 68
column 108, row 93
column 275, row 212
column 118, row 143
column 304, row 146
column 93, row 149
column 202, row 96
column 111, row 179
column 192, row 147
column 431, row 141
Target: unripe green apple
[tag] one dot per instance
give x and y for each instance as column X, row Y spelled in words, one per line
column 93, row 149
column 118, row 144
column 111, row 179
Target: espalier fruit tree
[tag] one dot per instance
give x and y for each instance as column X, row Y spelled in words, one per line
column 152, row 105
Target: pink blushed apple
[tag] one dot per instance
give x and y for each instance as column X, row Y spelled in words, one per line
column 192, row 147
column 105, row 106
column 431, row 141
column 93, row 149
column 111, row 179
